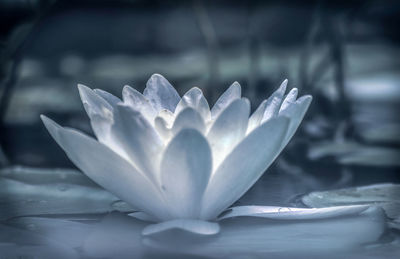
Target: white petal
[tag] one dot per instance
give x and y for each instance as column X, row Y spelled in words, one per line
column 92, row 102
column 198, row 227
column 228, row 129
column 274, row 102
column 290, row 98
column 139, row 140
column 163, row 124
column 101, row 114
column 138, row 102
column 99, row 111
column 243, row 166
column 295, row 111
column 231, row 94
column 256, row 117
column 167, row 116
column 284, row 213
column 185, row 171
column 188, row 119
column 162, row 129
column 194, row 99
column 161, row 94
column 111, row 99
column 108, row 169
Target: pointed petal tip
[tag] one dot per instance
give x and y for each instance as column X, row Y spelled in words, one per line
column 305, row 98
column 156, row 76
column 51, row 126
column 247, row 102
column 126, row 87
column 82, row 87
column 280, row 92
column 47, row 121
column 195, row 89
column 84, row 91
column 236, row 84
column 237, row 87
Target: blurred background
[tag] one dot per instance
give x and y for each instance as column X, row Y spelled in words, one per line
column 344, row 53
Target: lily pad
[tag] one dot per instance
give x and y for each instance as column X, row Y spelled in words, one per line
column 386, row 195
column 28, row 191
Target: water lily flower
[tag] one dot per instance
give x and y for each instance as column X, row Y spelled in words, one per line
column 178, row 162
column 173, row 157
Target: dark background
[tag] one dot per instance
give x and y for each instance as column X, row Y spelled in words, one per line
column 345, row 53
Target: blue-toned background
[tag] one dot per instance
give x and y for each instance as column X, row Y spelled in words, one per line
column 344, row 53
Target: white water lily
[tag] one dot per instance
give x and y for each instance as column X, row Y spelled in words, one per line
column 174, row 158
column 178, row 162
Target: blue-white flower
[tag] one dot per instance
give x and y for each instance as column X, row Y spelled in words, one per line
column 173, row 157
column 182, row 165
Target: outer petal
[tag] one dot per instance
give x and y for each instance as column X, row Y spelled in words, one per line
column 198, row 227
column 194, row 98
column 233, row 93
column 185, row 171
column 243, row 166
column 228, row 129
column 295, row 111
column 188, row 119
column 108, row 169
column 285, row 213
column 138, row 102
column 101, row 114
column 138, row 138
column 289, row 99
column 161, row 94
column 274, row 102
column 99, row 111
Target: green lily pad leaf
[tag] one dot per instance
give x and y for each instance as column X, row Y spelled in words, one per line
column 386, row 195
column 27, row 191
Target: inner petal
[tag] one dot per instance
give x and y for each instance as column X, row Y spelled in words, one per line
column 185, row 172
column 194, row 99
column 228, row 129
